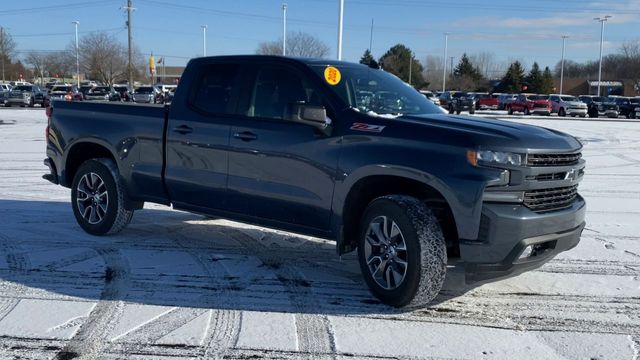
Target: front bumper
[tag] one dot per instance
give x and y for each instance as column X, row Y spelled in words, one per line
column 609, row 113
column 576, row 112
column 543, row 111
column 507, row 230
column 18, row 101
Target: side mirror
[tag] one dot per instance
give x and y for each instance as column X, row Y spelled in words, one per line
column 313, row 115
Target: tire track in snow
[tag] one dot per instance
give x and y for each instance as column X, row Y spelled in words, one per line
column 313, row 329
column 18, row 263
column 91, row 339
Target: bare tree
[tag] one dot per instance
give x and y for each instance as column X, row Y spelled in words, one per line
column 433, row 71
column 630, row 51
column 61, row 64
column 37, row 60
column 7, row 50
column 298, row 44
column 102, row 57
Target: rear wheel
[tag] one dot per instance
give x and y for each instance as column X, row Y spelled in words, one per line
column 510, row 111
column 98, row 198
column 472, row 111
column 402, row 252
column 562, row 113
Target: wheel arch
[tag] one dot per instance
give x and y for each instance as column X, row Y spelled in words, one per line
column 364, row 189
column 80, row 152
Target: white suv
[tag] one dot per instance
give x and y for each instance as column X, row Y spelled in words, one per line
column 564, row 105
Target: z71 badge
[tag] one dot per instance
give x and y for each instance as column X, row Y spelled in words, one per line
column 367, row 127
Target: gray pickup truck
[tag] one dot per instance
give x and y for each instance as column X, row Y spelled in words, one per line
column 289, row 144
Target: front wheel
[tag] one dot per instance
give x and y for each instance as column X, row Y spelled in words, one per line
column 510, row 111
column 402, row 252
column 451, row 109
column 526, row 111
column 562, row 113
column 98, row 198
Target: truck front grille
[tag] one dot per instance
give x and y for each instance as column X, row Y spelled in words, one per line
column 553, row 159
column 550, row 199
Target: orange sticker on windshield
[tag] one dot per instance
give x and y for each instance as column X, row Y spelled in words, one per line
column 332, row 75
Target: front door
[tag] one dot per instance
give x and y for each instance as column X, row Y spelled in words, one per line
column 281, row 170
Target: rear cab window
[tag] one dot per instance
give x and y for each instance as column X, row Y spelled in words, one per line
column 216, row 90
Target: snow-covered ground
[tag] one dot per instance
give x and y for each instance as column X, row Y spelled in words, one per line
column 176, row 285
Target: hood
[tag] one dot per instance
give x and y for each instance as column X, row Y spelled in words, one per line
column 473, row 132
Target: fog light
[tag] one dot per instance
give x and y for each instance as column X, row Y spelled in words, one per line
column 526, row 252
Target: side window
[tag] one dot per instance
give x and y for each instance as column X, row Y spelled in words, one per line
column 217, row 86
column 276, row 88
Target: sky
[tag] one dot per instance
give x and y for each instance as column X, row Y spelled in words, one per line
column 510, row 29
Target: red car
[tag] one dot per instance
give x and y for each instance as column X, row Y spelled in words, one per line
column 530, row 104
column 487, row 101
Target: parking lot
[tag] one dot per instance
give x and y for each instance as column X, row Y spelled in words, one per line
column 177, row 285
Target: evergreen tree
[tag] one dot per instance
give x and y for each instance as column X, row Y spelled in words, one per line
column 534, row 79
column 513, row 79
column 399, row 60
column 465, row 68
column 547, row 85
column 366, row 58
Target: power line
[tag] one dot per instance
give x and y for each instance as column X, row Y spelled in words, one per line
column 54, row 7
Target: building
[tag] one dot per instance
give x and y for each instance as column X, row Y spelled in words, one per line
column 590, row 87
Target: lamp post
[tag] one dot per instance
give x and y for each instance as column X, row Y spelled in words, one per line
column 444, row 62
column 76, row 23
column 602, row 20
column 284, row 29
column 340, row 19
column 204, row 40
column 564, row 38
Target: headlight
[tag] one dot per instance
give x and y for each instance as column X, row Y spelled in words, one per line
column 493, row 158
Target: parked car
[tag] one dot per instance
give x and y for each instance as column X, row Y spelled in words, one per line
column 147, row 94
column 5, row 89
column 626, row 106
column 124, row 91
column 431, row 96
column 462, row 101
column 600, row 106
column 530, row 104
column 60, row 92
column 487, row 101
column 103, row 93
column 445, row 98
column 564, row 105
column 413, row 193
column 504, row 100
column 26, row 95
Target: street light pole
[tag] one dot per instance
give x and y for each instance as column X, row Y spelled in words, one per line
column 340, row 18
column 204, row 40
column 76, row 23
column 564, row 38
column 602, row 21
column 444, row 62
column 284, row 29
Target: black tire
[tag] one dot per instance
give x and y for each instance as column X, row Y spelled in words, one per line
column 451, row 109
column 472, row 111
column 424, row 254
column 510, row 111
column 526, row 111
column 7, row 105
column 115, row 217
column 32, row 103
column 458, row 112
column 562, row 113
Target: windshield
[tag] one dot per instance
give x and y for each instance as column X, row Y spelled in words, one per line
column 144, row 90
column 539, row 97
column 61, row 89
column 568, row 98
column 377, row 92
column 635, row 101
column 601, row 99
column 22, row 88
column 100, row 89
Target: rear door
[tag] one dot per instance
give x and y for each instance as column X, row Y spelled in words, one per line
column 280, row 170
column 198, row 138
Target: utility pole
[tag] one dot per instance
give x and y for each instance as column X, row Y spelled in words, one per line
column 444, row 63
column 204, row 39
column 340, row 19
column 602, row 21
column 371, row 36
column 451, row 67
column 76, row 23
column 284, row 29
column 130, row 64
column 564, row 38
column 3, row 50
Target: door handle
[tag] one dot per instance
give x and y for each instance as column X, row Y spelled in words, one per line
column 182, row 129
column 245, row 136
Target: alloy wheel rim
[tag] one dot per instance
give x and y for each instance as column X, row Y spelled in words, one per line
column 92, row 198
column 386, row 253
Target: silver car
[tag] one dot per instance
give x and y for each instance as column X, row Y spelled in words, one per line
column 430, row 96
column 567, row 105
column 146, row 94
